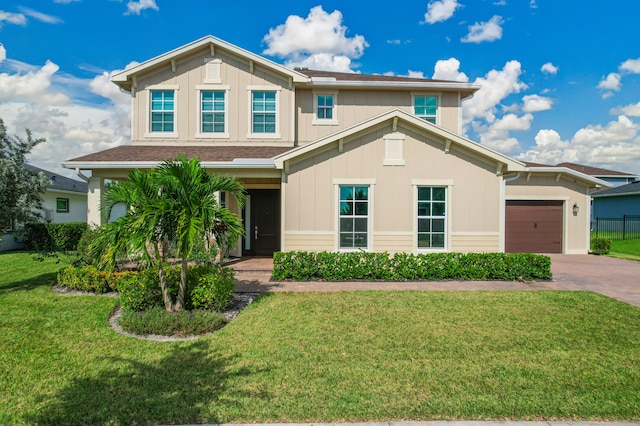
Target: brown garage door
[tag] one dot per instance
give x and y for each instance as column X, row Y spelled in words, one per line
column 533, row 227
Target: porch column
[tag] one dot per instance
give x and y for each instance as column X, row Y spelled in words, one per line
column 94, row 200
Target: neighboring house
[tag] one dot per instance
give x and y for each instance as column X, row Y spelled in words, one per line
column 337, row 161
column 617, row 202
column 65, row 200
column 613, row 177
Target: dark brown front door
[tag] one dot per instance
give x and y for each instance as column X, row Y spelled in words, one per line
column 262, row 220
column 533, row 227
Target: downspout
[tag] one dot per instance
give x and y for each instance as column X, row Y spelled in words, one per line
column 82, row 175
column 503, row 208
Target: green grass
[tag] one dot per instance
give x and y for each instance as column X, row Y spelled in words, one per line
column 627, row 249
column 312, row 357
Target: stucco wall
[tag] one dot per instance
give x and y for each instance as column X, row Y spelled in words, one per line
column 540, row 186
column 474, row 194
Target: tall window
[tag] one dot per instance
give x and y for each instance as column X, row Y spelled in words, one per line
column 263, row 112
column 162, row 110
column 432, row 209
column 354, row 216
column 425, row 107
column 212, row 106
column 324, row 107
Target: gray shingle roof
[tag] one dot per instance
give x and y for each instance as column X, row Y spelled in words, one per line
column 628, row 189
column 62, row 183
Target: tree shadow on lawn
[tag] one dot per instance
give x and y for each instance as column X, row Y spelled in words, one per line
column 186, row 386
column 47, row 279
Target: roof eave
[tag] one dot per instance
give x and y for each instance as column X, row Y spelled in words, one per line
column 423, row 85
column 566, row 170
column 236, row 163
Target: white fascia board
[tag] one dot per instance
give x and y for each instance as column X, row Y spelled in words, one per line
column 123, row 76
column 426, row 85
column 619, row 194
column 512, row 165
column 570, row 172
column 238, row 163
column 62, row 191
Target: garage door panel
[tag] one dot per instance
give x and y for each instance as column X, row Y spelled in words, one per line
column 533, row 227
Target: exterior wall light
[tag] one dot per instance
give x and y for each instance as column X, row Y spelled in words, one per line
column 576, row 209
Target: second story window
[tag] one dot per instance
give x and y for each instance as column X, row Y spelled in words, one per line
column 324, row 107
column 263, row 112
column 162, row 110
column 426, row 107
column 212, row 106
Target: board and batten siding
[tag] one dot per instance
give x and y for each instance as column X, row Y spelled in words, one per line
column 474, row 193
column 189, row 76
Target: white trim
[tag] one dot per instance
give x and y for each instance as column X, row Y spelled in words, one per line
column 212, row 88
column 212, row 65
column 576, row 174
column 448, row 196
column 438, row 97
column 283, row 209
column 162, row 135
column 370, row 198
column 325, row 122
column 393, row 143
column 250, row 133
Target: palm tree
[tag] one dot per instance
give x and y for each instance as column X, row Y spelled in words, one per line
column 172, row 202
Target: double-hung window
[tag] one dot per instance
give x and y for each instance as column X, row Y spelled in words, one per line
column 263, row 112
column 354, row 216
column 431, row 216
column 426, row 107
column 162, row 111
column 212, row 110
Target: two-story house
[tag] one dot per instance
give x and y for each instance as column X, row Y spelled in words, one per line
column 338, row 161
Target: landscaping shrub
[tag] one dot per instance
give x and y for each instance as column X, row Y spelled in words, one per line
column 303, row 266
column 208, row 287
column 84, row 252
column 183, row 323
column 600, row 245
column 53, row 236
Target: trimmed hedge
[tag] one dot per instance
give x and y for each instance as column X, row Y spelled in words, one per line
column 208, row 287
column 600, row 245
column 53, row 236
column 329, row 266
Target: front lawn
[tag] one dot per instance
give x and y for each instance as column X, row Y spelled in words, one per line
column 626, row 249
column 314, row 357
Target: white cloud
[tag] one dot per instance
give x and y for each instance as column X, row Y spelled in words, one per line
column 319, row 40
column 610, row 82
column 549, row 68
column 64, row 1
column 484, row 31
column 496, row 135
column 615, row 145
column 416, row 74
column 632, row 110
column 36, row 98
column 12, row 18
column 533, row 4
column 496, row 86
column 449, row 69
column 631, row 66
column 43, row 17
column 135, row 7
column 535, row 103
column 440, row 10
column 3, row 53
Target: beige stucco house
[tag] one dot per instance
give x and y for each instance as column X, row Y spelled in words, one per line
column 337, row 161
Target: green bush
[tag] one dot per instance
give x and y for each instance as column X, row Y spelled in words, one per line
column 53, row 236
column 86, row 279
column 84, row 251
column 600, row 245
column 212, row 287
column 139, row 291
column 183, row 323
column 303, row 266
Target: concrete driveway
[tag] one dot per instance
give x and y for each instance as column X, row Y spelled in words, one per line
column 615, row 278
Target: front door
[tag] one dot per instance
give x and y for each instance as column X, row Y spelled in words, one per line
column 262, row 222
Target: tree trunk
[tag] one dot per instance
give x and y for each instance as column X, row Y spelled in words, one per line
column 166, row 297
column 183, row 285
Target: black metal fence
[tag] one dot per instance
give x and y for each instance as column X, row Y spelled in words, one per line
column 618, row 228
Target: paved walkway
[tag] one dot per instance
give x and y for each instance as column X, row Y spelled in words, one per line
column 615, row 278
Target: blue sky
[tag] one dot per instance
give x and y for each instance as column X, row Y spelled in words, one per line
column 561, row 79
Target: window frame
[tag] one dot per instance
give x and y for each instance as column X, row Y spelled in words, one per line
column 156, row 134
column 212, row 135
column 334, row 110
column 437, row 97
column 370, row 184
column 448, row 187
column 64, row 209
column 257, row 135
